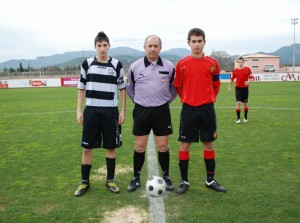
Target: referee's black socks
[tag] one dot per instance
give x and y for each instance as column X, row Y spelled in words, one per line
column 138, row 162
column 164, row 160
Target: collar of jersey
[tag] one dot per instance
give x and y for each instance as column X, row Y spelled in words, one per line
column 147, row 62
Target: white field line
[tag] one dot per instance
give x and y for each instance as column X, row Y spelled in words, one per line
column 157, row 207
column 171, row 107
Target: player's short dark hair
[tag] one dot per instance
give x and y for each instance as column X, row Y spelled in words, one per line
column 196, row 32
column 240, row 58
column 101, row 36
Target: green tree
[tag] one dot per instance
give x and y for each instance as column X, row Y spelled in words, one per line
column 21, row 67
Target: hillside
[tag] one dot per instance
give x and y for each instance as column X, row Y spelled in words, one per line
column 286, row 54
column 127, row 55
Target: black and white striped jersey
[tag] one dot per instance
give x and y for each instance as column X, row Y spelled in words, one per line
column 101, row 81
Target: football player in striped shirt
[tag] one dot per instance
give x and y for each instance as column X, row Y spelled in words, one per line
column 101, row 78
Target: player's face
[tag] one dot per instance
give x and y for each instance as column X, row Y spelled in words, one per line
column 197, row 44
column 152, row 48
column 240, row 63
column 102, row 48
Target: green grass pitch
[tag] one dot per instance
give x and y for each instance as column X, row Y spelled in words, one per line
column 258, row 162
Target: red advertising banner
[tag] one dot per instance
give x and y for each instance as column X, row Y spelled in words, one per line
column 69, row 81
column 37, row 83
column 3, row 84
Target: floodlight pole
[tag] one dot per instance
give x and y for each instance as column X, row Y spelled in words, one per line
column 42, row 72
column 294, row 22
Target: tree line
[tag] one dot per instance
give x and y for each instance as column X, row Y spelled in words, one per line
column 226, row 63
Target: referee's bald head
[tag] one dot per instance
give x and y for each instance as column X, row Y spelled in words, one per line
column 154, row 36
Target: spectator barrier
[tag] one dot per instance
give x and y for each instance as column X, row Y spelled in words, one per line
column 72, row 81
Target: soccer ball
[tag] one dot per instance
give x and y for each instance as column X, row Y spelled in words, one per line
column 156, row 186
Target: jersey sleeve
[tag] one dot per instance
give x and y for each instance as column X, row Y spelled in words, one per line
column 120, row 81
column 83, row 71
column 178, row 80
column 249, row 73
column 216, row 78
column 232, row 75
column 172, row 88
column 130, row 88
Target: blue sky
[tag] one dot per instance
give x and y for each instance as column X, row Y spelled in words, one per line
column 29, row 29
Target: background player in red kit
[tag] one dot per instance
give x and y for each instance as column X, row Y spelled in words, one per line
column 242, row 74
column 197, row 83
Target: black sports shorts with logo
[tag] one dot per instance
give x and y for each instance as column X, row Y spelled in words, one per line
column 197, row 121
column 156, row 118
column 241, row 94
column 101, row 128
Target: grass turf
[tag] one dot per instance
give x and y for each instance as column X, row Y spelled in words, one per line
column 258, row 162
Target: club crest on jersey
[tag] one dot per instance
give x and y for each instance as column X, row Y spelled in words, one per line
column 212, row 69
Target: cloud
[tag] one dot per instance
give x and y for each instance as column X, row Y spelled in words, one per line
column 29, row 29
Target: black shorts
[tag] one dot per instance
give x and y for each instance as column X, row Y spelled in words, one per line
column 197, row 121
column 101, row 128
column 156, row 118
column 241, row 94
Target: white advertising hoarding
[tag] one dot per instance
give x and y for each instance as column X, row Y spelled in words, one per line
column 35, row 82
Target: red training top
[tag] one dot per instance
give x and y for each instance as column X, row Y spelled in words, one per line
column 241, row 75
column 197, row 80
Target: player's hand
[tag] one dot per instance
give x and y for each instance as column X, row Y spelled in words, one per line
column 80, row 118
column 121, row 118
column 246, row 83
column 229, row 89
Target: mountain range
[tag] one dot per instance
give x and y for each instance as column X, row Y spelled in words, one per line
column 127, row 55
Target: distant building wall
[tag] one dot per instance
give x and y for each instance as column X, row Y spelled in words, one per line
column 262, row 63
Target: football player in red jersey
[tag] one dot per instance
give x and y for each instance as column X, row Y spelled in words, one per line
column 197, row 83
column 242, row 74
